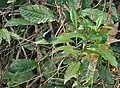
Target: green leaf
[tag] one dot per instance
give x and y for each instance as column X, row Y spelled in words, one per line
column 5, row 35
column 95, row 36
column 22, row 66
column 66, row 37
column 99, row 21
column 37, row 13
column 18, row 79
column 11, row 1
column 20, row 71
column 74, row 3
column 86, row 4
column 107, row 55
column 102, row 37
column 18, row 21
column 87, row 24
column 105, row 75
column 72, row 71
column 91, row 72
column 73, row 16
column 93, row 14
column 67, row 49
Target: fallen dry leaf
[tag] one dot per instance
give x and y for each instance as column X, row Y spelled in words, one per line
column 114, row 31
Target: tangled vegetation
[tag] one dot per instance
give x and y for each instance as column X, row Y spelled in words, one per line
column 59, row 44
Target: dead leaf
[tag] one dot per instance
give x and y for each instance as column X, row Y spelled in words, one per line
column 111, row 39
column 93, row 57
column 114, row 31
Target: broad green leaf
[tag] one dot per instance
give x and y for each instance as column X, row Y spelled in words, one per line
column 86, row 24
column 93, row 14
column 18, row 21
column 22, row 66
column 99, row 21
column 74, row 3
column 5, row 35
column 91, row 72
column 105, row 75
column 66, row 37
column 72, row 71
column 107, row 55
column 73, row 16
column 20, row 71
column 104, row 52
column 102, row 37
column 67, row 49
column 37, row 13
column 18, row 79
column 95, row 36
column 86, row 4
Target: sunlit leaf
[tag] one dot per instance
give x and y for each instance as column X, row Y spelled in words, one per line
column 73, row 16
column 67, row 49
column 72, row 71
column 107, row 55
column 18, row 21
column 66, row 37
column 91, row 70
column 99, row 21
column 11, row 1
column 93, row 14
column 5, row 35
column 74, row 3
column 104, row 52
column 37, row 13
